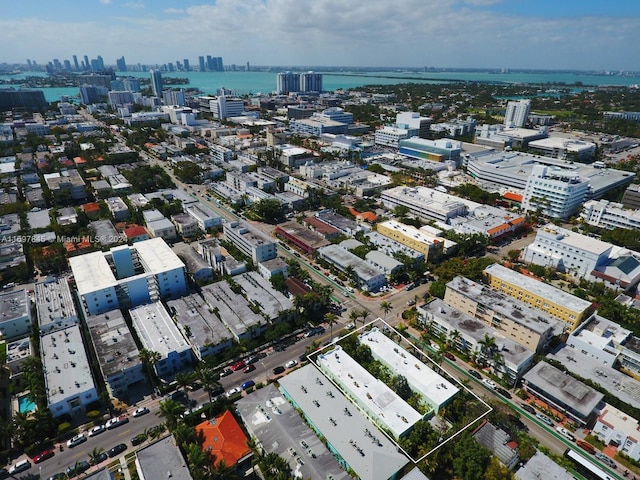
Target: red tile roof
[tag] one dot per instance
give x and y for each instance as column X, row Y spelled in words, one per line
column 91, row 207
column 224, row 439
column 515, row 197
column 135, row 231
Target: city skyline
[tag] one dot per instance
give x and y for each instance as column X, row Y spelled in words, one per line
column 572, row 34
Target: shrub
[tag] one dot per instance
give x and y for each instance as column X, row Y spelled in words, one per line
column 94, row 414
column 63, row 427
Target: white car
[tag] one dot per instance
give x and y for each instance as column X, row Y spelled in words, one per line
column 140, row 411
column 97, row 430
column 350, row 326
column 77, row 440
column 565, row 433
column 291, row 363
column 233, row 391
column 489, row 383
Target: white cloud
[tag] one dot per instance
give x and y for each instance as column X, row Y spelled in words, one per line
column 105, row 2
column 134, row 5
column 173, row 11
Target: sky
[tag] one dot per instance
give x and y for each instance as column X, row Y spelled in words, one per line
column 536, row 34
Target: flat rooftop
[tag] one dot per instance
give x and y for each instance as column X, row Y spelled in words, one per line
column 54, row 303
column 365, row 448
column 14, row 305
column 436, row 389
column 390, row 246
column 274, row 422
column 603, row 331
column 233, row 309
column 344, row 258
column 162, row 459
column 313, row 239
column 540, row 466
column 92, row 272
column 156, row 329
column 18, row 350
column 624, row 387
column 408, row 231
column 113, row 342
column 259, row 290
column 193, row 312
column 512, row 352
column 564, row 388
column 65, row 364
column 519, row 312
column 538, row 288
column 156, row 256
column 573, row 239
column 386, row 406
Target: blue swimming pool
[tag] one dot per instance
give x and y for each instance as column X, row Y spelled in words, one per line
column 25, row 404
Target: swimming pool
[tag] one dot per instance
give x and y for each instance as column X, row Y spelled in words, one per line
column 25, row 404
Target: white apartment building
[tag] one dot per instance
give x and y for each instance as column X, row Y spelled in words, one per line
column 223, row 107
column 614, row 427
column 15, row 310
column 158, row 333
column 118, row 208
column 517, row 113
column 557, row 193
column 128, row 276
column 560, row 147
column 54, row 304
column 67, row 374
column 390, row 136
column 610, row 215
column 252, row 242
column 205, row 217
column 425, row 202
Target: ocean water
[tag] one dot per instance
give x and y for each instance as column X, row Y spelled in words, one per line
column 242, row 83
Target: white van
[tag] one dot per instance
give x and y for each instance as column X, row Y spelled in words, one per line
column 20, row 466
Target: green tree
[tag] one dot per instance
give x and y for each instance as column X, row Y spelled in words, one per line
column 386, row 307
column 470, row 459
column 171, row 410
column 438, row 289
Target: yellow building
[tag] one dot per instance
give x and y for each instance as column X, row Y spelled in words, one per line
column 551, row 300
column 408, row 235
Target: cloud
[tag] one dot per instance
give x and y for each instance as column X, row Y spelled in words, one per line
column 173, row 11
column 134, row 5
column 105, row 2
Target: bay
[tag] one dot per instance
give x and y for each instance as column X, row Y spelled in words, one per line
column 251, row 83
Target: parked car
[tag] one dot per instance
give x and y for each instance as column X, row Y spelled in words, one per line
column 489, row 383
column 604, row 459
column 543, row 418
column 450, row 356
column 97, row 430
column 248, row 384
column 565, row 433
column 411, row 302
column 528, row 408
column 101, row 457
column 226, row 372
column 138, row 412
column 350, row 326
column 291, row 363
column 586, row 446
column 249, row 368
column 57, row 476
column 253, row 359
column 20, row 466
column 503, row 392
column 115, row 422
column 238, row 365
column 474, row 374
column 117, row 450
column 77, row 440
column 77, row 468
column 41, row 457
column 138, row 439
column 233, row 391
column 278, row 370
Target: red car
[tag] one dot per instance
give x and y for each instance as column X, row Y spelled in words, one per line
column 450, row 356
column 249, row 368
column 238, row 366
column 43, row 456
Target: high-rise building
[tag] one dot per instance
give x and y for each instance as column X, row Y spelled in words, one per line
column 517, row 113
column 87, row 64
column 67, row 65
column 210, row 63
column 288, row 82
column 156, row 83
column 185, row 64
column 121, row 64
column 310, row 82
column 218, row 64
column 131, row 84
column 201, row 63
column 75, row 63
column 29, row 99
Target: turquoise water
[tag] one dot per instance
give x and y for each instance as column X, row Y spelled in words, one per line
column 26, row 405
column 242, row 83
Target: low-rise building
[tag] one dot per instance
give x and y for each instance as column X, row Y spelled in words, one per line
column 258, row 290
column 543, row 296
column 368, row 277
column 15, row 318
column 468, row 335
column 186, row 225
column 68, row 181
column 205, row 217
column 158, row 333
column 514, row 319
column 615, row 427
column 116, row 352
column 69, row 385
column 576, row 400
column 162, row 459
column 203, row 330
column 408, row 235
column 250, row 241
column 609, row 215
column 301, row 237
column 226, row 442
column 54, row 304
column 118, row 208
column 17, row 353
column 158, row 225
column 498, row 442
column 540, row 466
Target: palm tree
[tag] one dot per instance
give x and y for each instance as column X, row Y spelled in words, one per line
column 386, row 308
column 171, row 410
column 331, row 319
column 364, row 313
column 205, row 375
column 149, row 358
column 184, row 435
column 95, row 454
column 197, row 459
column 454, row 338
column 354, row 315
column 184, row 379
column 157, row 431
column 488, row 346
